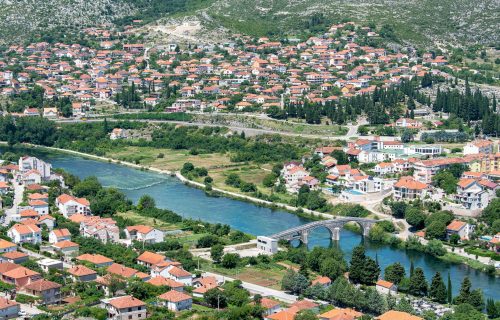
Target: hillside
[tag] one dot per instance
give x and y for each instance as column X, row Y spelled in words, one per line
column 423, row 22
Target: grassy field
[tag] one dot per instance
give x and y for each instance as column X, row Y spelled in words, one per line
column 270, row 277
column 138, row 219
column 248, row 173
column 172, row 159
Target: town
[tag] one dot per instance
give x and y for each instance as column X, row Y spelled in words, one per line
column 397, row 146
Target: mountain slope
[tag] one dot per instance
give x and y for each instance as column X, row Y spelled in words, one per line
column 425, row 22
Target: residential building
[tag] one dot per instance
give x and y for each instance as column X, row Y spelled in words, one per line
column 322, row 281
column 99, row 261
column 57, row 235
column 386, row 287
column 162, row 281
column 7, row 246
column 478, row 146
column 173, row 270
column 471, row 194
column 144, row 234
column 66, row 247
column 27, row 164
column 340, row 314
column 270, row 306
column 9, row 309
column 69, row 205
column 461, row 228
column 14, row 257
column 47, row 264
column 176, row 301
column 407, row 188
column 397, row 315
column 82, row 273
column 126, row 272
column 103, row 229
column 150, row 259
column 48, row 291
column 20, row 233
column 125, row 308
column 20, row 276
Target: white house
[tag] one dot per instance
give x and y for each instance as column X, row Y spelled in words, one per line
column 7, row 246
column 59, row 235
column 463, row 229
column 479, row 146
column 471, row 194
column 40, row 206
column 407, row 188
column 176, row 301
column 144, row 234
column 386, row 287
column 172, row 270
column 69, row 205
column 126, row 307
column 103, row 229
column 31, row 163
column 20, row 233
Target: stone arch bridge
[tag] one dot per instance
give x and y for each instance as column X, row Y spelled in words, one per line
column 334, row 226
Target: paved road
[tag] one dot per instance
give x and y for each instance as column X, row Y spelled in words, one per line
column 18, row 198
column 248, row 131
column 256, row 289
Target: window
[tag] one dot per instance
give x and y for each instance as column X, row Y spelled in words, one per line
column 130, row 317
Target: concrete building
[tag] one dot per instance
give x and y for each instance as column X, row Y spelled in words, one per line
column 386, row 287
column 9, row 309
column 31, row 163
column 267, row 244
column 48, row 291
column 176, row 301
column 125, row 308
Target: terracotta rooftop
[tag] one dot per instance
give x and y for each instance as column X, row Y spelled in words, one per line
column 126, row 302
column 80, row 270
column 42, row 285
column 174, row 296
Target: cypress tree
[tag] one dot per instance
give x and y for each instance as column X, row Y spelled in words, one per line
column 412, row 268
column 437, row 290
column 450, row 294
column 418, row 284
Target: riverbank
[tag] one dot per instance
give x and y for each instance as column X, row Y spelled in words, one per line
column 303, row 212
column 226, row 194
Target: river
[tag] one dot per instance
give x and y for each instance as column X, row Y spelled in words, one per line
column 171, row 194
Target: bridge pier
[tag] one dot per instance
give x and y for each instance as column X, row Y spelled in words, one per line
column 304, row 235
column 335, row 232
column 366, row 230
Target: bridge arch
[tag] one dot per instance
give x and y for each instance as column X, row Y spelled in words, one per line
column 334, row 226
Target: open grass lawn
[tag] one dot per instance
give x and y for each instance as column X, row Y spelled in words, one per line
column 270, row 278
column 156, row 223
column 172, row 159
column 248, row 173
column 301, row 127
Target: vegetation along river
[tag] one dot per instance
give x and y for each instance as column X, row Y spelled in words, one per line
column 171, row 194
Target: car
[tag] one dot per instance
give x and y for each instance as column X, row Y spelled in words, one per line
column 22, row 313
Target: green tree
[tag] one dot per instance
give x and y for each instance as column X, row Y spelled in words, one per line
column 294, row 282
column 492, row 308
column 418, row 284
column 230, row 260
column 146, row 202
column 363, row 269
column 215, row 298
column 437, row 290
column 449, row 295
column 436, row 230
column 464, row 294
column 216, row 252
column 415, row 217
column 332, row 268
column 394, row 273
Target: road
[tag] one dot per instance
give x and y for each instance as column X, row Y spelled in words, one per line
column 256, row 289
column 352, row 129
column 18, row 198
